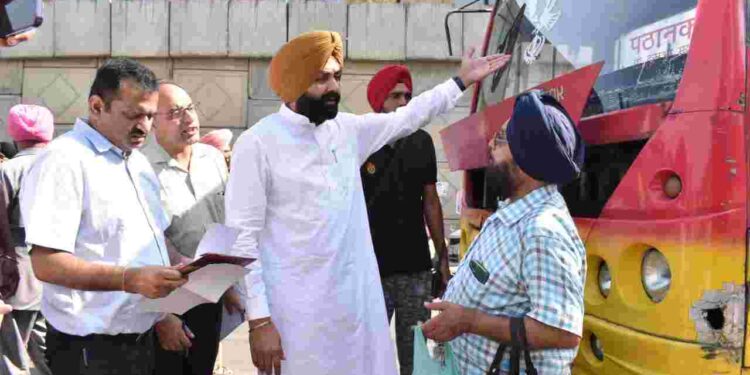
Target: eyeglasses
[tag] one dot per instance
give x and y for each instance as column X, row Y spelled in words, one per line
column 179, row 112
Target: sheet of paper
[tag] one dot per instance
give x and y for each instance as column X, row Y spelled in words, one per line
column 206, row 285
column 218, row 239
column 211, row 281
column 178, row 302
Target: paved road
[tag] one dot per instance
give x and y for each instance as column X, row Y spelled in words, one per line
column 235, row 352
column 236, row 349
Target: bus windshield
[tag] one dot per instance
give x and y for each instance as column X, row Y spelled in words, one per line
column 642, row 43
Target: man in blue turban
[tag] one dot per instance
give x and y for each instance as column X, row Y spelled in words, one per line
column 543, row 145
column 527, row 268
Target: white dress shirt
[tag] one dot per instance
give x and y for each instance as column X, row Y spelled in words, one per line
column 85, row 197
column 193, row 199
column 295, row 192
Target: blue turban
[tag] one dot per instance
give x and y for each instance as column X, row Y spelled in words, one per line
column 543, row 140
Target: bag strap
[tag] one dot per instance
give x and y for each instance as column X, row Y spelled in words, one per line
column 530, row 370
column 495, row 366
column 515, row 346
column 518, row 343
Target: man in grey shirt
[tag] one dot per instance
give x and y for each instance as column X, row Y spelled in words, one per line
column 192, row 176
column 31, row 128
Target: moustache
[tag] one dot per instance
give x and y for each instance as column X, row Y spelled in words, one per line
column 137, row 133
column 331, row 97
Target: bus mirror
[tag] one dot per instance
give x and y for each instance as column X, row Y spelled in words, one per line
column 461, row 10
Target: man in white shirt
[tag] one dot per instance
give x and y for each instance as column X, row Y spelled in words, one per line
column 192, row 177
column 94, row 220
column 314, row 297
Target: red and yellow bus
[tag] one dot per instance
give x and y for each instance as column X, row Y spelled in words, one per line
column 659, row 90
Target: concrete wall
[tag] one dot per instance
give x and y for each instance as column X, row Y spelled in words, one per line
column 243, row 28
column 219, row 51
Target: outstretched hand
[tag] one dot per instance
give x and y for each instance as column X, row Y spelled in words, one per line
column 474, row 69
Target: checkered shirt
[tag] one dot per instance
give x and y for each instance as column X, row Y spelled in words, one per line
column 537, row 267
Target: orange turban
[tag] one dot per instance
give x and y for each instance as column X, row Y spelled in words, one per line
column 294, row 68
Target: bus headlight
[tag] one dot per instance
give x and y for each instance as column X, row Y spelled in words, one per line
column 605, row 279
column 656, row 275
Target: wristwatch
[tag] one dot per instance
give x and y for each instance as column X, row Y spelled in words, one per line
column 460, row 83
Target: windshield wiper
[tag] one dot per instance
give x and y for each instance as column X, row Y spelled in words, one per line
column 507, row 46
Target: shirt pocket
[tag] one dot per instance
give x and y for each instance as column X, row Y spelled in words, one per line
column 340, row 177
column 469, row 291
column 103, row 221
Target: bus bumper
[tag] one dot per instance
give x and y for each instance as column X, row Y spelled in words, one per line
column 626, row 351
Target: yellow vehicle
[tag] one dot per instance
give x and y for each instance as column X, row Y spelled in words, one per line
column 659, row 91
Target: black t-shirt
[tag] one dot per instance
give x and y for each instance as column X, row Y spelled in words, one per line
column 393, row 179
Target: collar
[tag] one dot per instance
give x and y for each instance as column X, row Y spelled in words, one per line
column 28, row 152
column 162, row 157
column 100, row 143
column 295, row 118
column 511, row 213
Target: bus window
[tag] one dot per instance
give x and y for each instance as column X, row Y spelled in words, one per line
column 642, row 43
column 604, row 167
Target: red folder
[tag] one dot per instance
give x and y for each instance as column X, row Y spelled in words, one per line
column 211, row 258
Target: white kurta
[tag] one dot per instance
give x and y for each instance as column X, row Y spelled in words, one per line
column 295, row 192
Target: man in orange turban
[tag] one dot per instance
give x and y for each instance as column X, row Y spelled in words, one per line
column 313, row 299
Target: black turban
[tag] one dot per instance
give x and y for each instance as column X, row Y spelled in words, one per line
column 543, row 140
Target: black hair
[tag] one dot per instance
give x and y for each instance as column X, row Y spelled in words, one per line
column 109, row 76
column 8, row 149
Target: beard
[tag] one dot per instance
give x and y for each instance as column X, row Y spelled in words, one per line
column 319, row 110
column 505, row 175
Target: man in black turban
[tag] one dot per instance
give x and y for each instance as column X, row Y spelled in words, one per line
column 527, row 268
